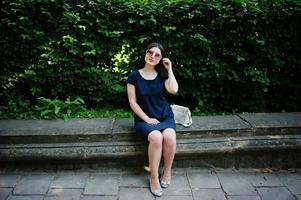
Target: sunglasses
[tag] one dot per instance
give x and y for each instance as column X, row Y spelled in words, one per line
column 151, row 53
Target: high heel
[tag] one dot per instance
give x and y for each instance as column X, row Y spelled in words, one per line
column 164, row 184
column 156, row 192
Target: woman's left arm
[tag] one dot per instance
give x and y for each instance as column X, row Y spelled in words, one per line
column 171, row 83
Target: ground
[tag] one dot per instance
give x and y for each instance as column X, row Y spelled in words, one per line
column 186, row 184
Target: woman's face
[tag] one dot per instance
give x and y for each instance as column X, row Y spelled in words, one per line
column 153, row 56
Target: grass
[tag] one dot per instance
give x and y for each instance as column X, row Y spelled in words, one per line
column 104, row 113
column 68, row 109
column 91, row 113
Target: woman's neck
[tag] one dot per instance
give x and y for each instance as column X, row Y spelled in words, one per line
column 149, row 68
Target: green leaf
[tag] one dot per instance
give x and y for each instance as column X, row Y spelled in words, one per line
column 45, row 112
column 57, row 109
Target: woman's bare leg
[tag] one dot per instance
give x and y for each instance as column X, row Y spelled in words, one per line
column 155, row 139
column 169, row 151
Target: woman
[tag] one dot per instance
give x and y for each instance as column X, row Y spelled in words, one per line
column 153, row 116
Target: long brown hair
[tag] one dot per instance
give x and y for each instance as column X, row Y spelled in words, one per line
column 159, row 67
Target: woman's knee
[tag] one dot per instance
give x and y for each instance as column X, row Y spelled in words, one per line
column 169, row 136
column 155, row 137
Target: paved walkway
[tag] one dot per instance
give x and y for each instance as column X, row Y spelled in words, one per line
column 187, row 184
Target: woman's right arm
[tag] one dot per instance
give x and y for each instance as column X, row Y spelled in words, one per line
column 136, row 108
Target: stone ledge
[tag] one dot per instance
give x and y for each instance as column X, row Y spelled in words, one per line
column 89, row 130
column 67, row 151
column 114, row 139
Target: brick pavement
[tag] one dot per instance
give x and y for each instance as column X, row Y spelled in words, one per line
column 187, row 184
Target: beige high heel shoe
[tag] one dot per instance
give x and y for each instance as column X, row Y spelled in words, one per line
column 164, row 184
column 156, row 192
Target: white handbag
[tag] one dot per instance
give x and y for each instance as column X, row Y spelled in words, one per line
column 182, row 115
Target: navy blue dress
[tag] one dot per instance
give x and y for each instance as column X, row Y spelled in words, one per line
column 150, row 95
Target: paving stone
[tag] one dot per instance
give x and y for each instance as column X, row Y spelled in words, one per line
column 180, row 170
column 294, row 186
column 4, row 192
column 9, row 179
column 179, row 186
column 27, row 197
column 105, row 186
column 203, row 180
column 244, row 197
column 209, row 194
column 63, row 194
column 286, row 177
column 100, row 184
column 135, row 193
column 33, row 184
column 261, row 179
column 233, row 184
column 292, row 181
column 69, row 180
column 194, row 170
column 102, row 170
column 95, row 197
column 136, row 180
column 166, row 197
column 272, row 193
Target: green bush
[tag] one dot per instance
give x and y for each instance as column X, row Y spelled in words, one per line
column 229, row 56
column 51, row 109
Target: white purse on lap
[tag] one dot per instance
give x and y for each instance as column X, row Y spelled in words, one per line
column 182, row 115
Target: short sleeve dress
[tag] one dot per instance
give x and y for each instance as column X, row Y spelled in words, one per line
column 151, row 97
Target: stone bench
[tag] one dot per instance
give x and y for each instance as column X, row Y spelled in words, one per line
column 244, row 140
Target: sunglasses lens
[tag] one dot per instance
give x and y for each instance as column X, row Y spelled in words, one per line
column 150, row 53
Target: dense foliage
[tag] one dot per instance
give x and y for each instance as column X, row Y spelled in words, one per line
column 228, row 56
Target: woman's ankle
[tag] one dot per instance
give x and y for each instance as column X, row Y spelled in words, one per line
column 154, row 182
column 166, row 176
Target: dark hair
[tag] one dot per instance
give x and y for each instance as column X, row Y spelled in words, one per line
column 159, row 67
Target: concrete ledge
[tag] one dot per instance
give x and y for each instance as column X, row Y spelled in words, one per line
column 209, row 140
